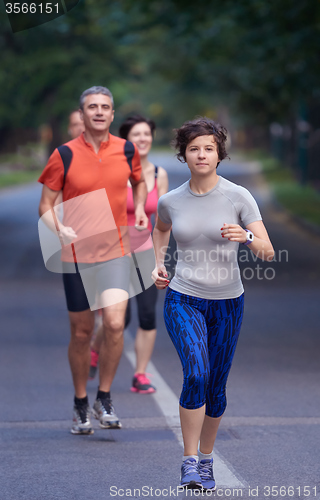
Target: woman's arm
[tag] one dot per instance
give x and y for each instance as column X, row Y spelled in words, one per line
column 139, row 193
column 162, row 182
column 161, row 235
column 261, row 245
column 162, row 185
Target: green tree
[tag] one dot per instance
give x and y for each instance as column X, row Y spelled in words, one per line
column 170, row 59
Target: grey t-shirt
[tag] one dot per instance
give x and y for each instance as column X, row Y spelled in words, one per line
column 207, row 264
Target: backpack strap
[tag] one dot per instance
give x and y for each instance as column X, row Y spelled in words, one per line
column 155, row 171
column 66, row 157
column 129, row 152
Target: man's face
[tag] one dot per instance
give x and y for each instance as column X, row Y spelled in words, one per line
column 97, row 113
column 76, row 125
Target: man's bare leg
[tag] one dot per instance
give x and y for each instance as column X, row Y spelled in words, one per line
column 112, row 339
column 81, row 324
column 96, row 343
column 114, row 303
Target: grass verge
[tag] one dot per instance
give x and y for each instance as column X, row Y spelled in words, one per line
column 23, row 166
column 18, row 177
column 300, row 200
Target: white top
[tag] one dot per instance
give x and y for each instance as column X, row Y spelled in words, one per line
column 207, row 264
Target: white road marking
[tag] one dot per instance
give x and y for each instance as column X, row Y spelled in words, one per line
column 169, row 405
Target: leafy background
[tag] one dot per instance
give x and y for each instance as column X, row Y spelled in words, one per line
column 252, row 63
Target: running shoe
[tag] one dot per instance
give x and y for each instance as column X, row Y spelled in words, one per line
column 190, row 477
column 93, row 364
column 206, row 474
column 81, row 420
column 141, row 383
column 104, row 412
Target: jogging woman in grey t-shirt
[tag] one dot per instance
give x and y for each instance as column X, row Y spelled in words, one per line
column 204, row 301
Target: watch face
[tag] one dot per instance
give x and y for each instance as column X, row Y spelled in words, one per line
column 250, row 237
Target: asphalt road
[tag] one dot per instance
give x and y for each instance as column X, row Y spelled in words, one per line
column 270, row 434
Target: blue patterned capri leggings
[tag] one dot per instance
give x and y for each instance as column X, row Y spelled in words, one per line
column 204, row 333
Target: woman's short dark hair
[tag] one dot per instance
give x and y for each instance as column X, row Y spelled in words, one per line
column 131, row 121
column 195, row 128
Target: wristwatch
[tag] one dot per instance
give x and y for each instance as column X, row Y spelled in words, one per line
column 250, row 237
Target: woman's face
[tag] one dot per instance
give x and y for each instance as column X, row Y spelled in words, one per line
column 202, row 155
column 141, row 135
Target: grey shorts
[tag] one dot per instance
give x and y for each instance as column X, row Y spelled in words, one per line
column 82, row 287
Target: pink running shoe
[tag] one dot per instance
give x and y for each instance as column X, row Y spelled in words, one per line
column 93, row 364
column 141, row 383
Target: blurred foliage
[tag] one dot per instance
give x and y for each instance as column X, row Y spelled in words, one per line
column 169, row 59
column 261, row 56
column 18, row 177
column 28, row 157
column 302, row 201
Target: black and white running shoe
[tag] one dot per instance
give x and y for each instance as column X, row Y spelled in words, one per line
column 104, row 412
column 81, row 423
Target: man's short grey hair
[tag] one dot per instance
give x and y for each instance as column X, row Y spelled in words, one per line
column 95, row 90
